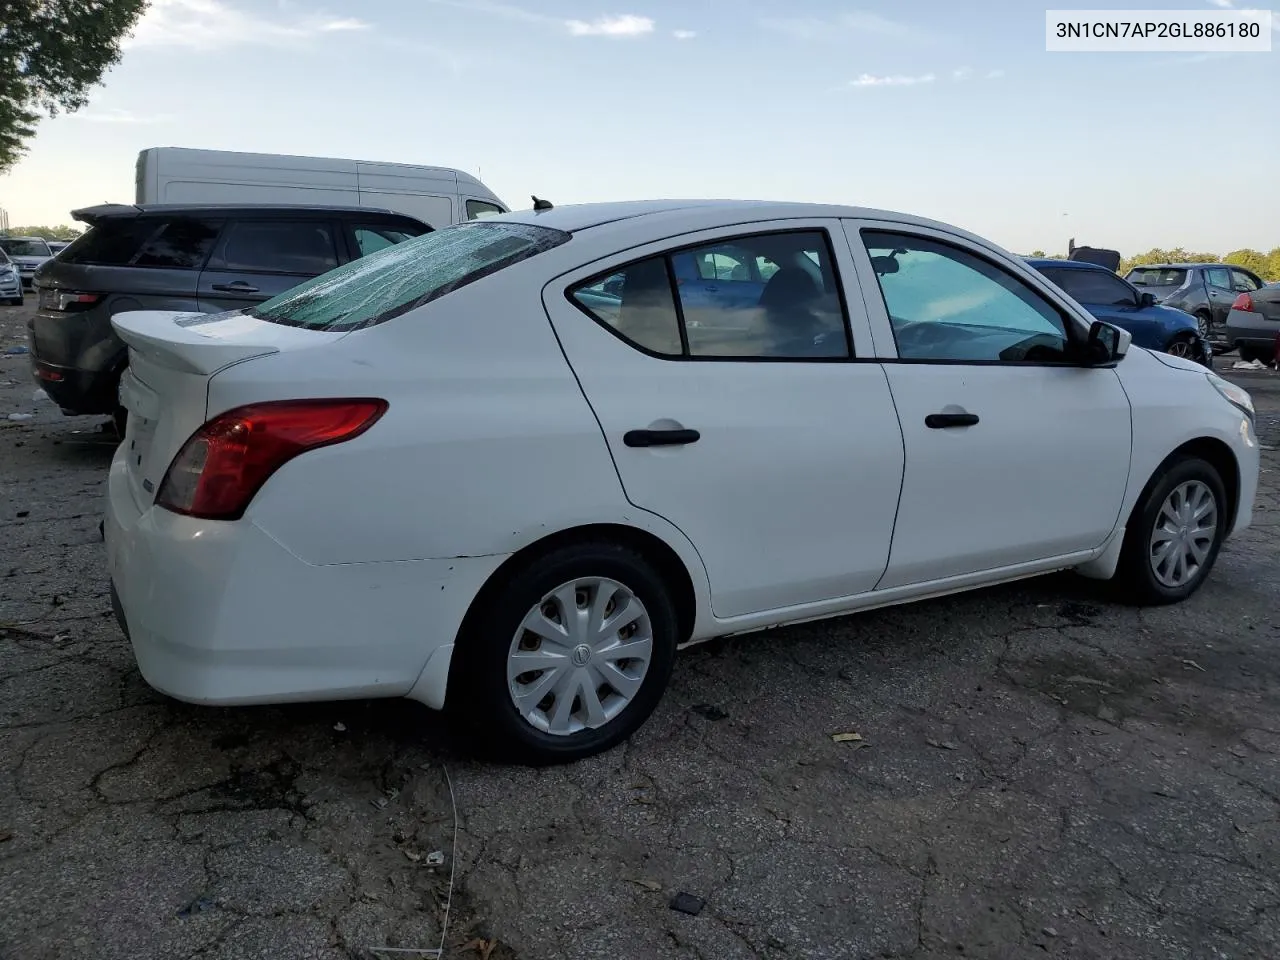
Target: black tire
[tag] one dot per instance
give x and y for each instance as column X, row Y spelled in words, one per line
column 1205, row 321
column 479, row 694
column 1135, row 580
column 1250, row 354
column 1181, row 345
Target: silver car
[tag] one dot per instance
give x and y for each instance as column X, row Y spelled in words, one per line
column 29, row 253
column 10, row 281
column 1253, row 324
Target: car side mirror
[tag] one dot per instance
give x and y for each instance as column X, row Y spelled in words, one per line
column 1107, row 344
column 1146, row 300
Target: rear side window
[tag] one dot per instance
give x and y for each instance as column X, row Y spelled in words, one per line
column 1157, row 277
column 303, row 247
column 179, row 245
column 110, row 243
column 397, row 279
column 1092, row 286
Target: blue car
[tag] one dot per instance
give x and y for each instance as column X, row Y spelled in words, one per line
column 1119, row 302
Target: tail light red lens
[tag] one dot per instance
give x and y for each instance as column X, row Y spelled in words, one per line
column 1243, row 302
column 225, row 463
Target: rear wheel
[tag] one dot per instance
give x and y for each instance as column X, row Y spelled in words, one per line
column 568, row 657
column 1174, row 534
column 1203, row 321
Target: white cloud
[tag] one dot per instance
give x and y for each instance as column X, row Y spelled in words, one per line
column 895, row 80
column 626, row 25
column 1225, row 4
column 964, row 73
column 994, row 74
column 117, row 115
column 684, row 34
column 207, row 24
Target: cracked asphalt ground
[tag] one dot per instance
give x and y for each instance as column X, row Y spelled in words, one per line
column 1041, row 773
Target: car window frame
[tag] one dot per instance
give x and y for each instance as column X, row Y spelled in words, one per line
column 1135, row 296
column 468, row 201
column 1076, row 324
column 1258, row 285
column 335, row 232
column 166, row 221
column 589, row 274
column 351, row 224
column 1208, row 274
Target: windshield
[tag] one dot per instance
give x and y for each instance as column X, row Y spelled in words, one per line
column 397, row 279
column 22, row 247
column 1156, row 277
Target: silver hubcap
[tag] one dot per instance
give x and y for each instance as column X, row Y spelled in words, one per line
column 1180, row 348
column 1203, row 324
column 579, row 656
column 1184, row 533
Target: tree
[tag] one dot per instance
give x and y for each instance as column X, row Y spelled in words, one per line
column 1249, row 259
column 1156, row 255
column 60, row 232
column 51, row 53
column 1037, row 253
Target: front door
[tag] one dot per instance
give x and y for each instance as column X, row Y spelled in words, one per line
column 255, row 260
column 1221, row 296
column 1013, row 455
column 758, row 435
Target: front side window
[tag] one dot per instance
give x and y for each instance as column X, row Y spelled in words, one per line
column 1219, row 277
column 1241, row 282
column 763, row 297
column 477, row 209
column 301, row 247
column 1092, row 286
column 398, row 279
column 946, row 304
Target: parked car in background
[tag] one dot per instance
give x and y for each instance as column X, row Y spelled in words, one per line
column 438, row 196
column 29, row 253
column 10, row 281
column 57, row 246
column 441, row 473
column 1204, row 290
column 172, row 257
column 1253, row 325
column 1116, row 301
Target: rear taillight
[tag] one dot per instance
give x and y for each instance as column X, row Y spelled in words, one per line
column 1243, row 302
column 68, row 301
column 219, row 470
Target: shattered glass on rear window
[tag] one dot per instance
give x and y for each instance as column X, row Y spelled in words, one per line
column 400, row 278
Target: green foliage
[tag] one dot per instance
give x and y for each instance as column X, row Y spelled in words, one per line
column 52, row 52
column 61, row 232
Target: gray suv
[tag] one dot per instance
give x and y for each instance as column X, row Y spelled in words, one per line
column 1204, row 290
column 202, row 259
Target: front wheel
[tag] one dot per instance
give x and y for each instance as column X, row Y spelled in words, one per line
column 568, row 657
column 1174, row 534
column 1181, row 345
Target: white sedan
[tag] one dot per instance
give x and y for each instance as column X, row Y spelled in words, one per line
column 510, row 466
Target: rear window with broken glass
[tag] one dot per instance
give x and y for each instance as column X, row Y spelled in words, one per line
column 400, row 278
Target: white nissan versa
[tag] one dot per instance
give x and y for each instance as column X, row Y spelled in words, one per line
column 509, row 466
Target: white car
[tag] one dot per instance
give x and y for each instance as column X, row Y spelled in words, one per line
column 511, row 465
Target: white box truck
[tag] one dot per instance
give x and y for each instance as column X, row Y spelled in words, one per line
column 438, row 196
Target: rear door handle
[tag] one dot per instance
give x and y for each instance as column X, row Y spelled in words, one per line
column 237, row 286
column 660, row 438
column 940, row 421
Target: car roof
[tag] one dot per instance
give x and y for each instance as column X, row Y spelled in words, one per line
column 572, row 218
column 1177, row 266
column 11, row 236
column 106, row 211
column 1041, row 262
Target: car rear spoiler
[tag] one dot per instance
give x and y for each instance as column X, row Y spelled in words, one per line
column 1097, row 256
column 104, row 211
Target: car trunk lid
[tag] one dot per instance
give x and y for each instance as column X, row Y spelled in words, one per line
column 172, row 358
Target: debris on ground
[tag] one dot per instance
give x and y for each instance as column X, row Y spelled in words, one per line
column 15, row 351
column 481, row 946
column 653, row 886
column 710, row 711
column 847, row 737
column 688, row 903
column 1191, row 664
column 435, row 858
column 413, row 857
column 941, row 744
column 39, row 396
column 198, row 905
column 21, row 416
column 380, row 802
column 340, row 727
column 6, row 835
column 1248, row 365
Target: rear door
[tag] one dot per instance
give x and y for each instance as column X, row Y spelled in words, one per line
column 257, row 258
column 760, row 435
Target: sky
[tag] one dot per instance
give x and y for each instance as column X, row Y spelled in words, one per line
column 947, row 110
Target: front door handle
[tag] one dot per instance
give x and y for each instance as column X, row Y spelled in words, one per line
column 660, row 438
column 237, row 286
column 940, row 421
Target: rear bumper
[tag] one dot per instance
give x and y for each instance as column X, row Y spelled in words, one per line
column 221, row 613
column 75, row 391
column 1244, row 327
